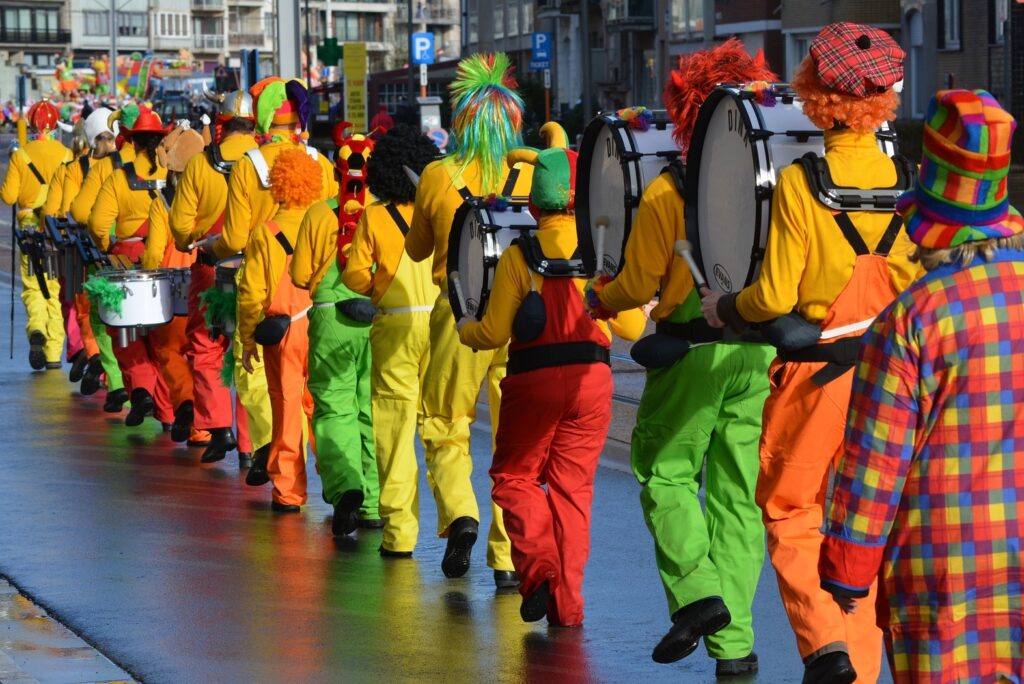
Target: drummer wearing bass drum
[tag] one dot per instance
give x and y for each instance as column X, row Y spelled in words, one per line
column 701, row 407
column 487, row 116
column 836, row 266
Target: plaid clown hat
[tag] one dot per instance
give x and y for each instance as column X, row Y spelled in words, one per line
column 856, row 59
column 960, row 193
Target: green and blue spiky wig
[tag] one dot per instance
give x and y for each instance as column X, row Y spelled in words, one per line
column 487, row 116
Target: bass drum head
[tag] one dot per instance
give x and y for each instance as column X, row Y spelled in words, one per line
column 601, row 193
column 465, row 256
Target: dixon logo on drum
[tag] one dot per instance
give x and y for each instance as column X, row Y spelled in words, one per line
column 722, row 278
column 737, row 124
column 611, row 150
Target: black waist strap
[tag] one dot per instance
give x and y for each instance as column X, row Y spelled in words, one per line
column 695, row 331
column 550, row 355
column 839, row 356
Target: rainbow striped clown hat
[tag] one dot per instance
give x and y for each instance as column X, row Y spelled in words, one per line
column 960, row 193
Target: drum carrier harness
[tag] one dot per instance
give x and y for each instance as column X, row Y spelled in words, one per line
column 841, row 356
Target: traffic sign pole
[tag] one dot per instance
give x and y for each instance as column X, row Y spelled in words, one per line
column 547, row 95
column 423, row 80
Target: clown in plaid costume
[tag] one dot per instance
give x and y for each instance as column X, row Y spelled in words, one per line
column 926, row 496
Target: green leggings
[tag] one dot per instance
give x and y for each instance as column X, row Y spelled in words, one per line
column 106, row 346
column 704, row 414
column 339, row 380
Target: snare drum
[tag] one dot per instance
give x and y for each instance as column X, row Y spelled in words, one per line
column 147, row 301
column 617, row 161
column 480, row 233
column 739, row 147
column 225, row 275
column 181, row 279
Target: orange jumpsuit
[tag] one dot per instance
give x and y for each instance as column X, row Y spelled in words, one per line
column 809, row 268
column 265, row 289
column 128, row 210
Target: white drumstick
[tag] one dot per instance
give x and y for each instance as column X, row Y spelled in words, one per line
column 457, row 284
column 685, row 249
column 600, row 226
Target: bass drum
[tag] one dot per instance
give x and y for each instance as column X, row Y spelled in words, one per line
column 480, row 232
column 616, row 163
column 739, row 147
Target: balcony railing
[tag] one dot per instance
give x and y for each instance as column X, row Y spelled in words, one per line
column 208, row 5
column 239, row 39
column 432, row 15
column 208, row 42
column 630, row 15
column 34, row 36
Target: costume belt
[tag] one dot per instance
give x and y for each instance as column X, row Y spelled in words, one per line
column 561, row 354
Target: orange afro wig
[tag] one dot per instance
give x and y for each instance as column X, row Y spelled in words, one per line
column 296, row 181
column 697, row 75
column 827, row 108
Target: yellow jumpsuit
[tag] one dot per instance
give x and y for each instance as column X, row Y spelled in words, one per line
column 99, row 171
column 455, row 372
column 400, row 342
column 248, row 205
column 21, row 187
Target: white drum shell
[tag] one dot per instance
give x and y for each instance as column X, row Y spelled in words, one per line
column 147, row 302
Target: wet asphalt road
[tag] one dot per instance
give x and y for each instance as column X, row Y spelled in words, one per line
column 180, row 573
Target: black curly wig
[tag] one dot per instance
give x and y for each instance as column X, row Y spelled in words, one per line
column 402, row 146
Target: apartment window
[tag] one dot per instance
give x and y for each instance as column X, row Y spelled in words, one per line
column 949, row 24
column 688, row 18
column 132, row 24
column 97, row 23
column 173, row 24
column 527, row 18
column 499, row 21
column 997, row 29
column 513, row 20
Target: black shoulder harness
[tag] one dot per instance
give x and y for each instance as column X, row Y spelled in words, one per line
column 549, row 268
column 677, row 171
column 136, row 183
column 83, row 161
column 842, row 198
column 219, row 164
column 115, row 160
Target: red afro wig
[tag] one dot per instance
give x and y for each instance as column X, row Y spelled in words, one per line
column 697, row 75
column 827, row 108
column 296, row 181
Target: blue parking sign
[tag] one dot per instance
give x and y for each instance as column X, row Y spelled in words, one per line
column 423, row 48
column 541, row 47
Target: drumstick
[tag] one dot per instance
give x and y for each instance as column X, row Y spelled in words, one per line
column 457, row 284
column 685, row 249
column 600, row 225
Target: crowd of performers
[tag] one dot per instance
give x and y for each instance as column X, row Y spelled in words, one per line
column 904, row 402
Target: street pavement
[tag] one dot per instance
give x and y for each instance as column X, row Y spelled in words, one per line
column 180, row 573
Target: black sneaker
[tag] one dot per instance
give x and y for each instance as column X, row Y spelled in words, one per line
column 462, row 535
column 831, row 668
column 36, row 356
column 79, row 362
column 115, row 400
column 142, row 406
column 535, row 606
column 346, row 513
column 182, row 426
column 689, row 624
column 735, row 667
column 91, row 377
column 258, row 475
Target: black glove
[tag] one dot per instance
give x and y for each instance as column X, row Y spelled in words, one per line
column 206, row 256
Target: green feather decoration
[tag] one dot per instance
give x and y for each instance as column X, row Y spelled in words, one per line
column 220, row 305
column 227, row 371
column 129, row 115
column 104, row 294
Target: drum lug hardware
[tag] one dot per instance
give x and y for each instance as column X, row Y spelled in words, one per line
column 757, row 253
column 759, row 135
column 763, row 192
column 630, row 156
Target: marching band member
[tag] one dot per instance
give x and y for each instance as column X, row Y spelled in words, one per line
column 101, row 133
column 339, row 353
column 169, row 343
column 837, row 269
column 709, row 559
column 265, row 291
column 925, row 493
column 556, row 401
column 197, row 216
column 123, row 204
column 400, row 335
column 281, row 110
column 29, row 175
column 487, row 115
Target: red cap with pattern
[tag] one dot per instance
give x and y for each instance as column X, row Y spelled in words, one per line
column 856, row 59
column 43, row 116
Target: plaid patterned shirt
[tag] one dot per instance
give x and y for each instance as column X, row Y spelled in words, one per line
column 929, row 497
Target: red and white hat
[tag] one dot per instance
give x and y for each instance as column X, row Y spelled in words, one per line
column 856, row 59
column 43, row 116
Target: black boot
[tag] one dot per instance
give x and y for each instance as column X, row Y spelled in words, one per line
column 54, row 365
column 182, row 426
column 91, row 377
column 689, row 624
column 735, row 667
column 257, row 475
column 535, row 606
column 346, row 513
column 831, row 668
column 506, row 579
column 222, row 440
column 79, row 362
column 244, row 459
column 462, row 535
column 142, row 406
column 36, row 356
column 115, row 401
